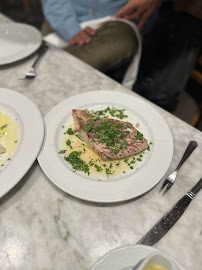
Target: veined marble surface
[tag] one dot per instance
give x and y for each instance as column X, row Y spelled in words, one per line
column 43, row 228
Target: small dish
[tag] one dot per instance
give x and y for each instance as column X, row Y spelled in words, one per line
column 130, row 256
column 156, row 259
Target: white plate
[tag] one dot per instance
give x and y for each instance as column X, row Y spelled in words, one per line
column 31, row 134
column 17, row 41
column 127, row 256
column 119, row 189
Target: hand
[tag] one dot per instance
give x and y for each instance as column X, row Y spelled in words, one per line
column 83, row 37
column 139, row 10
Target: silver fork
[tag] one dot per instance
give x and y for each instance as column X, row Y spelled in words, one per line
column 172, row 177
column 31, row 74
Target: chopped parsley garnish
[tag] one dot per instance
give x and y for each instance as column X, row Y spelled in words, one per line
column 15, row 141
column 68, row 142
column 76, row 162
column 78, row 137
column 126, row 160
column 91, row 163
column 112, row 134
column 70, row 131
column 148, row 148
column 112, row 111
column 2, row 127
column 62, row 151
column 138, row 136
column 98, row 168
column 108, row 171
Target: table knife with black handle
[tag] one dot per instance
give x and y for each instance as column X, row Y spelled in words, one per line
column 170, row 218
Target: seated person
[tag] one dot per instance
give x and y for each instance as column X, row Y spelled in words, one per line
column 111, row 47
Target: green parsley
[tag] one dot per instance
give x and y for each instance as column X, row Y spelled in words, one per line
column 2, row 127
column 79, row 137
column 114, row 112
column 62, row 151
column 70, row 131
column 113, row 135
column 138, row 136
column 91, row 163
column 108, row 171
column 68, row 142
column 76, row 162
column 98, row 168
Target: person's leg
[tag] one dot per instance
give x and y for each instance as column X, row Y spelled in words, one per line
column 46, row 28
column 112, row 48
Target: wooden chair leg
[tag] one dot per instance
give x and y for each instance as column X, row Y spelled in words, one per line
column 26, row 6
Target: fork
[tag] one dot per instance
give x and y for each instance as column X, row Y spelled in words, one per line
column 31, row 74
column 172, row 177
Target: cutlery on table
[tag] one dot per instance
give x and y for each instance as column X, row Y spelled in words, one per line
column 31, row 74
column 172, row 177
column 170, row 218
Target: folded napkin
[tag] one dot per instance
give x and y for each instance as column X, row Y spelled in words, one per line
column 131, row 73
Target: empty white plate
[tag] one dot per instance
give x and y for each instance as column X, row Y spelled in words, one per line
column 17, row 41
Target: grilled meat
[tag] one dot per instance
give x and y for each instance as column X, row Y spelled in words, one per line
column 110, row 138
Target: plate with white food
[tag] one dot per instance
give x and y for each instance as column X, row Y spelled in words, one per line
column 105, row 146
column 21, row 137
column 17, row 41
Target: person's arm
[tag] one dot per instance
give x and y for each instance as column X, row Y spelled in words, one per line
column 62, row 17
column 138, row 10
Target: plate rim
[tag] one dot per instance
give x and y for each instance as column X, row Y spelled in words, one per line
column 74, row 98
column 25, row 163
column 30, row 52
column 138, row 247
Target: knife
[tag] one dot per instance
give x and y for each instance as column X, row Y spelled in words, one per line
column 170, row 218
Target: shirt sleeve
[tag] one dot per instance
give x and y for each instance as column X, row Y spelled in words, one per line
column 62, row 17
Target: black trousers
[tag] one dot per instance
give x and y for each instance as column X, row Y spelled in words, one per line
column 169, row 54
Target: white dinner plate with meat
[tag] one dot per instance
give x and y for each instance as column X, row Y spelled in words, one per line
column 21, row 137
column 105, row 146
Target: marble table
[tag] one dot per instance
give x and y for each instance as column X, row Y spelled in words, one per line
column 42, row 227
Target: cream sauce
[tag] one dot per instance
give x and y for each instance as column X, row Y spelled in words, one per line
column 155, row 267
column 108, row 168
column 9, row 132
